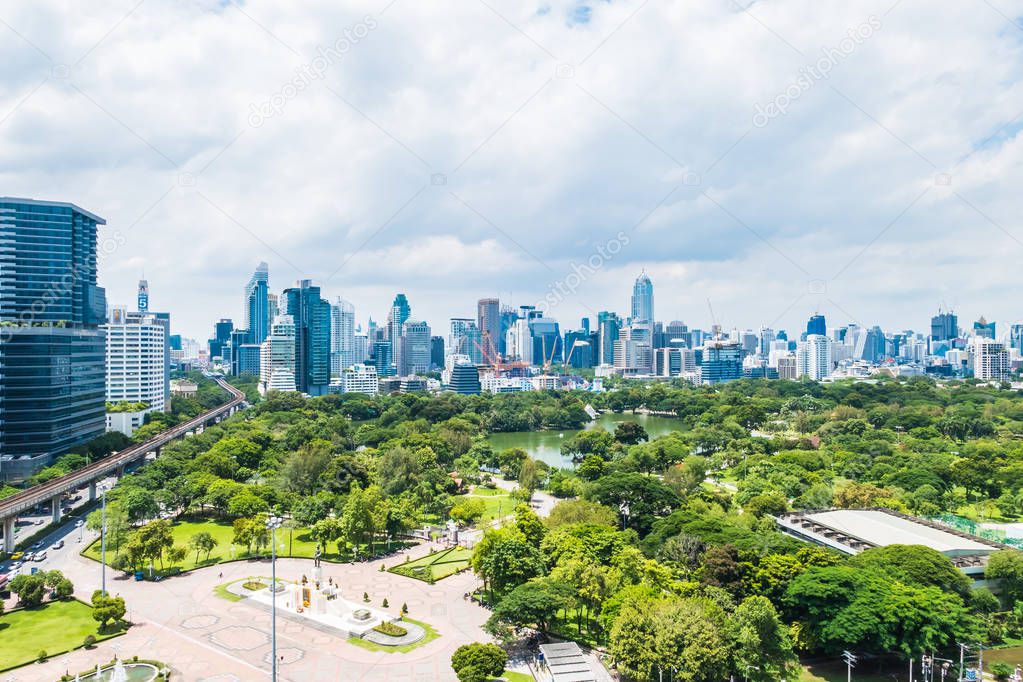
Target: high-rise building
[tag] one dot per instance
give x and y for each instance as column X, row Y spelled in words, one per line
column 136, row 364
column 342, row 336
column 415, row 348
column 643, row 303
column 547, row 342
column 257, row 304
column 875, row 346
column 488, row 320
column 944, row 326
column 984, row 329
column 221, row 337
column 312, row 337
column 508, row 318
column 817, row 325
column 609, row 327
column 990, row 360
column 1016, row 336
column 722, row 361
column 277, row 364
column 813, row 357
column 436, row 352
column 52, row 349
column 465, row 379
column 360, row 379
column 400, row 311
column 466, row 339
column 579, row 352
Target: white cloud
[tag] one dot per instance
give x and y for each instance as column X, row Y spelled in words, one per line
column 453, row 153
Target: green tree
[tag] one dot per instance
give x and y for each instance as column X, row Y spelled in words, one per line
column 534, row 604
column 630, row 433
column 202, row 541
column 31, row 589
column 504, row 559
column 529, row 524
column 303, row 468
column 1006, row 567
column 469, row 510
column 762, row 647
column 107, row 609
column 569, row 512
column 486, row 659
column 246, row 503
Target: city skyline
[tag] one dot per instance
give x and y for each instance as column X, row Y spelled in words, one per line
column 870, row 194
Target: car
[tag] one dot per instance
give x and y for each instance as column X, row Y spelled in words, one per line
column 40, row 522
column 17, row 556
column 29, row 556
column 59, row 545
column 40, row 556
column 15, row 566
column 79, row 523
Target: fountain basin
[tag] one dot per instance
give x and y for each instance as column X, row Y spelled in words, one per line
column 134, row 672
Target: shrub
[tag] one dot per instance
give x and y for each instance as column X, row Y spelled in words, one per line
column 41, row 656
column 253, row 585
column 1002, row 671
column 385, row 604
column 90, row 641
column 404, row 608
column 365, row 597
column 391, row 630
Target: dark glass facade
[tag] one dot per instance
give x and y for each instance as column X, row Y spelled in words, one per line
column 52, row 351
column 312, row 337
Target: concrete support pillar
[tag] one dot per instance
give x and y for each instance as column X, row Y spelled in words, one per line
column 92, row 491
column 55, row 508
column 9, row 534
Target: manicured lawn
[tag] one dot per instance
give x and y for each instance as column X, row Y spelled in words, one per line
column 290, row 543
column 438, row 565
column 488, row 492
column 56, row 627
column 498, row 504
column 511, row 676
column 431, row 635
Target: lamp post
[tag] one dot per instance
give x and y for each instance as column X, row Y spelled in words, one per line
column 273, row 523
column 850, row 661
column 103, row 541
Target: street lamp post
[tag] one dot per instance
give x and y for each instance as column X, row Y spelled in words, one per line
column 273, row 523
column 103, row 541
column 850, row 661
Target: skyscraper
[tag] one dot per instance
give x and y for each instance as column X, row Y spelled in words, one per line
column 342, row 336
column 722, row 361
column 944, row 326
column 643, row 302
column 221, row 336
column 813, row 357
column 609, row 327
column 990, row 360
column 312, row 337
column 257, row 304
column 52, row 349
column 983, row 328
column 415, row 348
column 488, row 320
column 466, row 339
column 816, row 325
column 400, row 311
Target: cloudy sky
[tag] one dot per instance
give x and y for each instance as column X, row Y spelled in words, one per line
column 774, row 157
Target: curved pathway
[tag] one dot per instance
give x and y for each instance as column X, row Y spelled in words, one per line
column 208, row 639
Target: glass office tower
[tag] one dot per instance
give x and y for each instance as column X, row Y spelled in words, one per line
column 52, row 350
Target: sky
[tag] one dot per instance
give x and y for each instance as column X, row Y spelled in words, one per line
column 759, row 160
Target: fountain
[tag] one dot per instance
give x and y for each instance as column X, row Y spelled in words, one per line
column 122, row 672
column 119, row 674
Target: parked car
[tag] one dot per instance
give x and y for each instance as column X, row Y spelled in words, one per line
column 17, row 556
column 40, row 522
column 40, row 556
column 79, row 523
column 59, row 544
column 29, row 556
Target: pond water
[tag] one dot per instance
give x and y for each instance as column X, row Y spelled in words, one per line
column 546, row 445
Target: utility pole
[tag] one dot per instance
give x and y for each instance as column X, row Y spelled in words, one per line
column 850, row 661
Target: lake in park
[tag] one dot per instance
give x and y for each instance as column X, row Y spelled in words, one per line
column 546, row 445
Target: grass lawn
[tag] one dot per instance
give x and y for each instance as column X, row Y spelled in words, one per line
column 498, row 504
column 56, row 627
column 511, row 676
column 290, row 543
column 488, row 492
column 431, row 635
column 438, row 565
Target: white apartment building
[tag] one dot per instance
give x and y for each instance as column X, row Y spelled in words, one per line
column 813, row 357
column 277, row 357
column 136, row 359
column 359, row 379
column 990, row 360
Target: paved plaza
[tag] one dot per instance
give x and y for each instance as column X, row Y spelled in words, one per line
column 208, row 639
